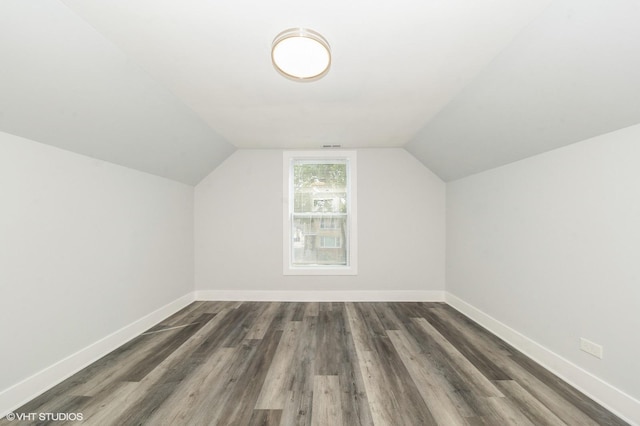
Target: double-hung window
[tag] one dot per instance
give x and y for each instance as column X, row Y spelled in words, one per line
column 320, row 226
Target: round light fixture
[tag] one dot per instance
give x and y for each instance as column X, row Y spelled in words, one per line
column 301, row 54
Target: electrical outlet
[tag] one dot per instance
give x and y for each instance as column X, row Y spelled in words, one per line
column 591, row 348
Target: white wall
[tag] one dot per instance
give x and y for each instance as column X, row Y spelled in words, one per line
column 550, row 246
column 86, row 248
column 401, row 227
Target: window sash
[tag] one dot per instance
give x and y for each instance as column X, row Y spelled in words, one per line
column 337, row 226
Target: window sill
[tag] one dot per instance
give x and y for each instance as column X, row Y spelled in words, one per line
column 320, row 270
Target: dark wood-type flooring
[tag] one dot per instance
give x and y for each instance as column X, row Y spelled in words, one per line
column 250, row 363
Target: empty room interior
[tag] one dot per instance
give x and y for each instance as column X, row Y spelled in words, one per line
column 358, row 213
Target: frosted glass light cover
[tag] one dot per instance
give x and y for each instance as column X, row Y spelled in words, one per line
column 301, row 54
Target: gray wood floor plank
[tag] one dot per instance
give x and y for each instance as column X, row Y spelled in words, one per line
column 312, row 309
column 383, row 403
column 542, row 391
column 96, row 376
column 466, row 347
column 533, row 409
column 372, row 324
column 250, row 380
column 568, row 393
column 432, row 388
column 137, row 371
column 250, row 363
column 265, row 418
column 456, row 384
column 355, row 404
column 157, row 386
column 136, row 394
column 208, row 407
column 393, row 396
column 327, row 409
column 263, row 321
column 329, row 333
column 189, row 402
column 412, row 408
column 103, row 410
column 279, row 375
column 100, row 380
column 503, row 412
column 74, row 405
column 478, row 383
column 567, row 412
column 241, row 322
column 283, row 315
column 361, row 337
column 184, row 316
column 224, row 404
column 464, row 384
column 327, row 306
column 298, row 407
column 227, row 333
column 387, row 316
column 298, row 311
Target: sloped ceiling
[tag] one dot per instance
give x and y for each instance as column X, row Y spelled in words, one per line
column 573, row 74
column 172, row 88
column 64, row 84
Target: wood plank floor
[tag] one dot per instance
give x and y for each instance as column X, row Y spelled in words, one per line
column 249, row 363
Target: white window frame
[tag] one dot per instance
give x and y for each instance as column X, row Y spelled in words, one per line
column 352, row 208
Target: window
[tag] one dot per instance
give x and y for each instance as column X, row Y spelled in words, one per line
column 320, row 213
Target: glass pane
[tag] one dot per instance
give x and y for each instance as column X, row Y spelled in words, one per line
column 319, row 187
column 319, row 213
column 319, row 240
column 319, row 198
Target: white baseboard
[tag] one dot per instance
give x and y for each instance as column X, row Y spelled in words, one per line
column 615, row 400
column 322, row 296
column 26, row 390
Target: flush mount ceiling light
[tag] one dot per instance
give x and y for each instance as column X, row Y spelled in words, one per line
column 301, row 54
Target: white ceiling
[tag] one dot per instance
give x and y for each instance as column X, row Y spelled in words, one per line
column 172, row 88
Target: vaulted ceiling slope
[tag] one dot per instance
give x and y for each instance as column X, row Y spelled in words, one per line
column 64, row 84
column 172, row 88
column 573, row 74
